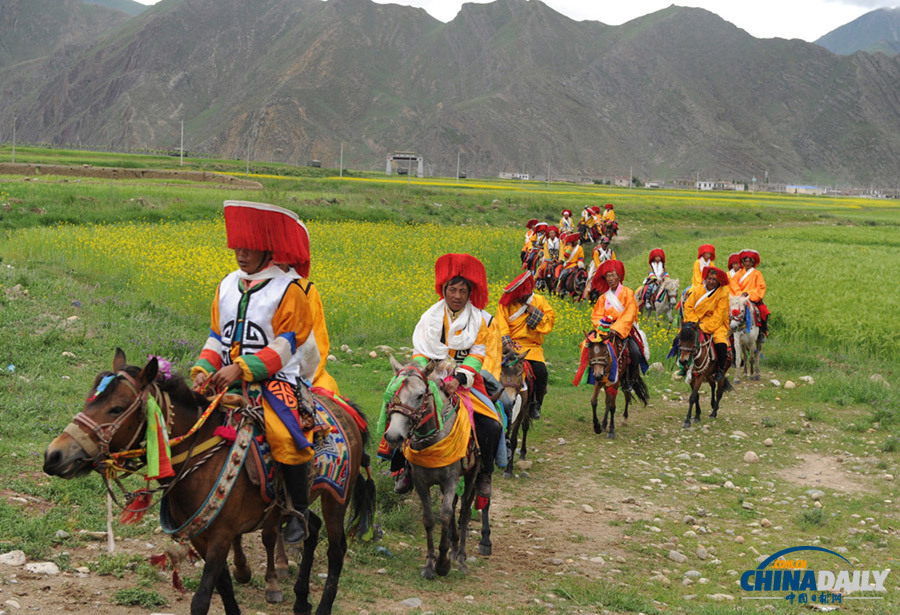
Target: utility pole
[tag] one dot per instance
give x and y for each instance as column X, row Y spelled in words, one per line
column 458, row 153
column 248, row 158
column 341, row 175
column 548, row 173
column 14, row 140
column 181, row 149
column 630, row 177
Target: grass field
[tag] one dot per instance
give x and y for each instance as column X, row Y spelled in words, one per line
column 135, row 264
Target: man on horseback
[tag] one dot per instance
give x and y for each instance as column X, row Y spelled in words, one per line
column 618, row 307
column 657, row 262
column 529, row 235
column 706, row 254
column 734, row 265
column 260, row 317
column 709, row 311
column 551, row 255
column 749, row 282
column 601, row 253
column 566, row 224
column 524, row 319
column 536, row 246
column 573, row 259
column 456, row 328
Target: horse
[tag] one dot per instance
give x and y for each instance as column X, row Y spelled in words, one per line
column 520, row 388
column 663, row 299
column 114, row 419
column 574, row 285
column 548, row 280
column 610, row 229
column 746, row 336
column 698, row 357
column 605, row 353
column 412, row 416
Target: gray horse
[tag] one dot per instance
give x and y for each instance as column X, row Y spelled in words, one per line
column 664, row 301
column 412, row 417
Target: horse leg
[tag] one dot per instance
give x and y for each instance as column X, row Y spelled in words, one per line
column 695, row 395
column 281, row 560
column 485, row 546
column 301, row 585
column 691, row 401
column 270, row 536
column 337, row 548
column 465, row 514
column 509, row 472
column 242, row 573
column 625, row 414
column 448, row 488
column 428, row 522
column 715, row 394
column 611, row 409
column 526, row 422
column 215, row 567
column 598, row 428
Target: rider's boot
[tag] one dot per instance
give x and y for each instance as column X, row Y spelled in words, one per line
column 403, row 481
column 535, row 410
column 296, row 483
column 721, row 361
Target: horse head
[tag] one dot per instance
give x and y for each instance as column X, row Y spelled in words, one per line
column 671, row 286
column 687, row 342
column 736, row 306
column 598, row 353
column 512, row 372
column 412, row 402
column 111, row 420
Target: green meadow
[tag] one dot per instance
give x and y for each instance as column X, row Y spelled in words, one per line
column 88, row 265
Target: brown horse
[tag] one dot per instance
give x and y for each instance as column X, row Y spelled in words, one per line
column 114, row 420
column 602, row 362
column 573, row 285
column 513, row 378
column 698, row 357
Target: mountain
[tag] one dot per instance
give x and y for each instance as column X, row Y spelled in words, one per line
column 512, row 86
column 876, row 31
column 32, row 29
column 128, row 7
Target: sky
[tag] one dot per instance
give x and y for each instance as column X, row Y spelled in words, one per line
column 803, row 19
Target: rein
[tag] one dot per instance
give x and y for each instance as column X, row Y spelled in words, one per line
column 420, row 415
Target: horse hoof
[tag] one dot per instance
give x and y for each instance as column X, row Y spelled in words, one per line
column 242, row 577
column 428, row 573
column 463, row 569
column 611, row 435
column 508, row 474
column 696, row 419
column 442, row 568
column 274, row 596
column 687, row 425
column 597, row 429
column 484, row 549
column 522, row 455
column 282, row 573
column 714, row 415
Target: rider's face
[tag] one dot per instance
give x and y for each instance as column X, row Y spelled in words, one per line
column 707, row 256
column 456, row 295
column 748, row 262
column 612, row 278
column 251, row 261
column 712, row 283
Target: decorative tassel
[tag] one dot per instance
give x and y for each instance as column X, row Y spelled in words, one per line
column 159, row 464
column 481, row 502
column 137, row 508
column 226, row 432
column 159, row 561
column 176, row 582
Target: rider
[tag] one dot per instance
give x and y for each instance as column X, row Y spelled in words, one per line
column 706, row 254
column 609, row 214
column 617, row 306
column 529, row 234
column 734, row 265
column 658, row 273
column 317, row 346
column 524, row 319
column 566, row 224
column 536, row 246
column 709, row 311
column 456, row 328
column 587, row 220
column 260, row 316
column 551, row 253
column 599, row 255
column 573, row 258
column 749, row 282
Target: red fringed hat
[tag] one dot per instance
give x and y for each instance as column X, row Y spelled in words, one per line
column 465, row 266
column 571, row 238
column 706, row 248
column 567, row 212
column 596, row 209
column 531, row 223
column 539, row 227
column 553, row 229
column 753, row 254
column 599, row 282
column 721, row 276
column 608, row 206
column 734, row 259
column 259, row 226
column 518, row 289
column 657, row 252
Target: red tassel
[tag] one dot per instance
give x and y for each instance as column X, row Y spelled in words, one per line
column 481, row 502
column 176, row 582
column 226, row 432
column 138, row 507
column 160, row 560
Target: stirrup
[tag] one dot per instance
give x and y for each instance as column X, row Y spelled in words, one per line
column 403, row 483
column 296, row 529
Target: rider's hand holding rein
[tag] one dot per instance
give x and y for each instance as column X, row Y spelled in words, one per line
column 224, row 378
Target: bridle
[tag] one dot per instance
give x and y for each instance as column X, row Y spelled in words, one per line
column 416, row 415
column 97, row 447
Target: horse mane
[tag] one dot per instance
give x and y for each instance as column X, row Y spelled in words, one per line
column 686, row 335
column 181, row 393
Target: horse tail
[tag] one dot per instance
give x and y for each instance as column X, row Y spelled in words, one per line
column 362, row 519
column 639, row 388
column 726, row 386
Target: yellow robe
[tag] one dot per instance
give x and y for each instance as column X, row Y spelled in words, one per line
column 712, row 313
column 622, row 321
column 754, row 285
column 493, row 346
column 696, row 275
column 609, row 216
column 531, row 340
column 575, row 256
column 322, row 378
column 595, row 255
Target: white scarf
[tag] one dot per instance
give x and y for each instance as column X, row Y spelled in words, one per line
column 612, row 299
column 553, row 244
column 731, row 273
column 605, row 255
column 566, row 224
column 658, row 269
column 522, row 309
column 703, row 264
column 270, row 272
column 427, row 335
column 572, row 255
column 708, row 293
column 746, row 273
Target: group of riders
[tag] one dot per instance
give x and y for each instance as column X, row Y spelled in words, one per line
column 268, row 339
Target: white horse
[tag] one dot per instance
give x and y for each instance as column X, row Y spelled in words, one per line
column 746, row 340
column 664, row 300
